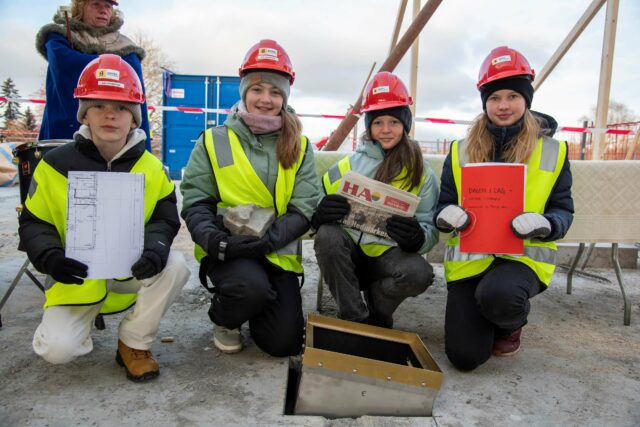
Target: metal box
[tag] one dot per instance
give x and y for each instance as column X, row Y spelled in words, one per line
column 350, row 369
column 192, row 93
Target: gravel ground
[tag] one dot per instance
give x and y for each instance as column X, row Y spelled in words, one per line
column 579, row 365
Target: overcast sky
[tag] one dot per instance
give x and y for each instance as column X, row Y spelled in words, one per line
column 332, row 44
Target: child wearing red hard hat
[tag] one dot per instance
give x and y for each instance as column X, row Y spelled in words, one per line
column 259, row 156
column 386, row 270
column 488, row 294
column 109, row 140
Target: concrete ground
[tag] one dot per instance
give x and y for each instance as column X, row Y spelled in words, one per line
column 579, row 365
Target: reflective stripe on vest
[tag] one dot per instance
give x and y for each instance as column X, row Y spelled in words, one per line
column 238, row 184
column 370, row 244
column 50, row 205
column 543, row 168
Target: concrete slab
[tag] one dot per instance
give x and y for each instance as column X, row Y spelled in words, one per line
column 579, row 364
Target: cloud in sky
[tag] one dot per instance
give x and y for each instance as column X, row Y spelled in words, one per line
column 333, row 43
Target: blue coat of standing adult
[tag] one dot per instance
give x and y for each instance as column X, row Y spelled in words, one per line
column 66, row 62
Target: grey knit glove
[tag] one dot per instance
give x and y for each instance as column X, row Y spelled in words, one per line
column 453, row 217
column 530, row 224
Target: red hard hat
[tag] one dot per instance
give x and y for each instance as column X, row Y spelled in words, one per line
column 111, row 78
column 385, row 90
column 267, row 55
column 504, row 62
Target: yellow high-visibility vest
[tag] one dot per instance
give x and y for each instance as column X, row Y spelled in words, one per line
column 49, row 203
column 543, row 168
column 238, row 184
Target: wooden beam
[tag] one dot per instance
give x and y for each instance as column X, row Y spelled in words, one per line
column 389, row 64
column 413, row 87
column 396, row 31
column 575, row 32
column 606, row 67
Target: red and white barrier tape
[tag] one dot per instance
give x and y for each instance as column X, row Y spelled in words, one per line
column 22, row 100
column 197, row 110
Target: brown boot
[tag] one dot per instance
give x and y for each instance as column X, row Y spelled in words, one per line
column 507, row 345
column 139, row 364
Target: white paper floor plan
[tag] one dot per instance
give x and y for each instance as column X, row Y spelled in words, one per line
column 105, row 221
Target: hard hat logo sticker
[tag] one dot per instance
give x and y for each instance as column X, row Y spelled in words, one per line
column 107, row 73
column 499, row 59
column 268, row 53
column 269, row 57
column 380, row 89
column 112, row 84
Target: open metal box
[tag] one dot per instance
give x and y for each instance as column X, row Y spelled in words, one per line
column 351, row 369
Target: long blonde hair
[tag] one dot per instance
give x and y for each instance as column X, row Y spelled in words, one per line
column 288, row 145
column 480, row 141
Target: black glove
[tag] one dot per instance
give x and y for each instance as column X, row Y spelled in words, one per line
column 63, row 269
column 147, row 266
column 247, row 246
column 406, row 231
column 224, row 247
column 332, row 208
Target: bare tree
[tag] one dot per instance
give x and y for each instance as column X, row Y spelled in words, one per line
column 38, row 109
column 618, row 113
column 152, row 66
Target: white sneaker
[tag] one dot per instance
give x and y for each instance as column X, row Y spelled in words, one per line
column 227, row 340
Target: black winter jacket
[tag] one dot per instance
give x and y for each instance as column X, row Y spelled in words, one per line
column 38, row 237
column 559, row 208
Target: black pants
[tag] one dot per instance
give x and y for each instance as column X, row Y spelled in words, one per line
column 483, row 307
column 386, row 280
column 253, row 290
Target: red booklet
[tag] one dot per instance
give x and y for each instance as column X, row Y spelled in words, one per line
column 493, row 194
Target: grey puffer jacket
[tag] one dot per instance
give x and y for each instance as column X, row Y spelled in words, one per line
column 200, row 190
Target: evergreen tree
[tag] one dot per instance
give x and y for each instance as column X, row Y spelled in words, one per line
column 11, row 109
column 29, row 121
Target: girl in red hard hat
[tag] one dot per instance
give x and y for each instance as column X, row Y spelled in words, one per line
column 109, row 140
column 258, row 157
column 388, row 268
column 488, row 294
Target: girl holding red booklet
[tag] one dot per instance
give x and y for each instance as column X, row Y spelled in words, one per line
column 488, row 294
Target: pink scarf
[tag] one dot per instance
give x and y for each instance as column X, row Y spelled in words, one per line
column 259, row 123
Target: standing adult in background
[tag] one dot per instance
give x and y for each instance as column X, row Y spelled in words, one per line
column 259, row 156
column 387, row 270
column 74, row 39
column 488, row 294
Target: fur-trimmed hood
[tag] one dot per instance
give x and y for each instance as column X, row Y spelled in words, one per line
column 90, row 40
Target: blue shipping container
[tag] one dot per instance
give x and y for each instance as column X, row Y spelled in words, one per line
column 180, row 130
